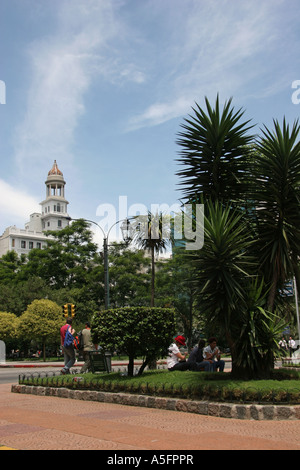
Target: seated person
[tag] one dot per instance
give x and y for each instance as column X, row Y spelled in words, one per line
column 196, row 358
column 212, row 352
column 176, row 360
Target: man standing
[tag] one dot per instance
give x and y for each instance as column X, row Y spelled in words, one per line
column 292, row 345
column 212, row 353
column 69, row 353
column 87, row 347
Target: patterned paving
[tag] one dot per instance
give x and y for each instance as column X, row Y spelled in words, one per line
column 29, row 422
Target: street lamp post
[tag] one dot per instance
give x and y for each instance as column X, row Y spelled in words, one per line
column 126, row 233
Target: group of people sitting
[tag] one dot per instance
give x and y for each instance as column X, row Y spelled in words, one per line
column 201, row 358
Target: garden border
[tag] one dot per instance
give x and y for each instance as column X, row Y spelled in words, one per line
column 220, row 410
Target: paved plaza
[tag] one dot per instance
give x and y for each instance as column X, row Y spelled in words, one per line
column 30, row 422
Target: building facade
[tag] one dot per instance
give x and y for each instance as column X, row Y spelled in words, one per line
column 54, row 216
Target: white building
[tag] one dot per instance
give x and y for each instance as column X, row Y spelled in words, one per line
column 54, row 216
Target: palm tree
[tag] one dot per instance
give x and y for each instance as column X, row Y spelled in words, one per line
column 220, row 170
column 277, row 200
column 153, row 233
column 222, row 265
column 230, row 294
column 215, row 147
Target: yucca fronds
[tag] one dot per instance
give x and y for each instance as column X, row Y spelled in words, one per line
column 276, row 196
column 214, row 146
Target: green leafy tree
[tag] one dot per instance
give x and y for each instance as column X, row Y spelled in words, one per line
column 129, row 276
column 15, row 297
column 175, row 288
column 137, row 331
column 10, row 267
column 41, row 321
column 8, row 326
column 68, row 258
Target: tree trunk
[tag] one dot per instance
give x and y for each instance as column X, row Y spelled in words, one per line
column 131, row 366
column 152, row 276
column 148, row 361
column 44, row 351
column 152, row 364
column 273, row 289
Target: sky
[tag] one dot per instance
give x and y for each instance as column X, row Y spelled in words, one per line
column 103, row 87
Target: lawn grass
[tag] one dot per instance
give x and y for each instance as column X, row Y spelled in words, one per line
column 284, row 388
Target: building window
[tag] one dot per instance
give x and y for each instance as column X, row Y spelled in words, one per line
column 13, row 243
column 23, row 244
column 30, row 245
column 59, row 223
column 39, row 245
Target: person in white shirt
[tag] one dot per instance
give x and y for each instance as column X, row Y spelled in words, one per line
column 282, row 343
column 212, row 353
column 292, row 345
column 176, row 360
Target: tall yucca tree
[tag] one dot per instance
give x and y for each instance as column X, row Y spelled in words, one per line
column 215, row 146
column 230, row 295
column 222, row 265
column 277, row 199
column 220, row 170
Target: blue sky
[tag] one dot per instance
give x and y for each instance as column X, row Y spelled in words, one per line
column 102, row 86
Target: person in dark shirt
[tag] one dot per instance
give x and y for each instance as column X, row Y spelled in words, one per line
column 196, row 358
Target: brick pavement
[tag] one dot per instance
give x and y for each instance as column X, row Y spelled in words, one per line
column 30, row 422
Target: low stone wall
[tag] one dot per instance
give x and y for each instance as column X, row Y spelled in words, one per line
column 220, row 410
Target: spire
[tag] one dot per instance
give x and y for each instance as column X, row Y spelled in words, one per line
column 54, row 170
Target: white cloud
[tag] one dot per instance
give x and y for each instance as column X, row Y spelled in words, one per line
column 16, row 205
column 63, row 67
column 160, row 112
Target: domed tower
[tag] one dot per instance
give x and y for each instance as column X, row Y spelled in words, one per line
column 55, row 206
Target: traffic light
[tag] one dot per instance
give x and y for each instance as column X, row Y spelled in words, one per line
column 66, row 310
column 73, row 308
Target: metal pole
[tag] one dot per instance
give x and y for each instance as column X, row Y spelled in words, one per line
column 106, row 274
column 105, row 254
column 297, row 306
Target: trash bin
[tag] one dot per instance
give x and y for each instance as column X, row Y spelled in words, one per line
column 100, row 361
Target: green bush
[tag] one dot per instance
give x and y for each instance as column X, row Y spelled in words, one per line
column 137, row 331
